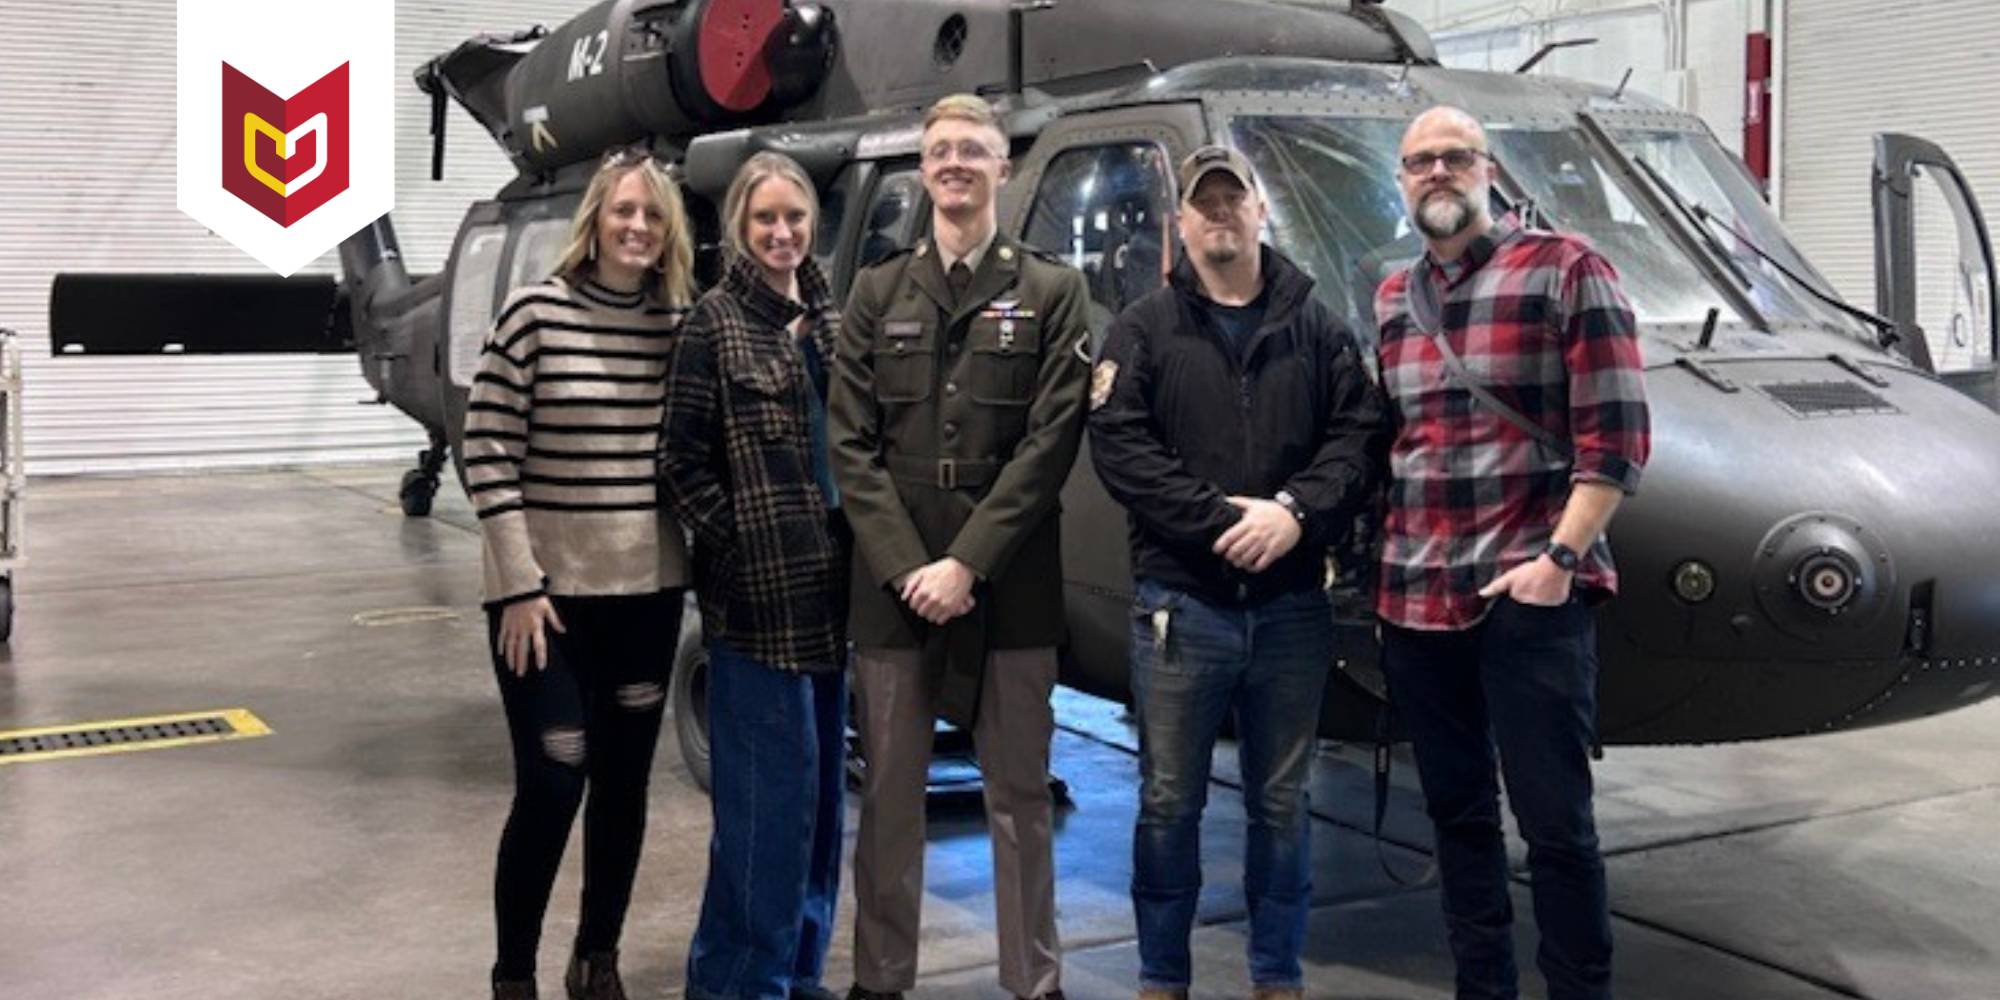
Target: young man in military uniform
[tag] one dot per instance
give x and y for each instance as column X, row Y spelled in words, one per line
column 956, row 411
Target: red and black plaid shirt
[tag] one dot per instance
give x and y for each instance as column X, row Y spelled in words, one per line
column 1538, row 318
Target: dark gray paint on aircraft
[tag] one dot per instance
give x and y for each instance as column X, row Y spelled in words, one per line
column 1793, row 450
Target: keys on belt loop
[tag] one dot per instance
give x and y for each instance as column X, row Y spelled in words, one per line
column 947, row 474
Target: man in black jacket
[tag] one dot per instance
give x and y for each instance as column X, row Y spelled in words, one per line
column 1233, row 418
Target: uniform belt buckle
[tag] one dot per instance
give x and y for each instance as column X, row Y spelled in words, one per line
column 947, row 474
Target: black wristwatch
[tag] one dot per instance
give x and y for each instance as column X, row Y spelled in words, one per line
column 1563, row 556
column 1291, row 503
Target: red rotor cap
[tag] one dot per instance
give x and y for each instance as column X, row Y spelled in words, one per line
column 730, row 51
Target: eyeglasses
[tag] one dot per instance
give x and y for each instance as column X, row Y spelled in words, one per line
column 1457, row 160
column 625, row 156
column 968, row 150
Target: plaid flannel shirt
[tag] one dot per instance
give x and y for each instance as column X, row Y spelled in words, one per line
column 1539, row 320
column 736, row 460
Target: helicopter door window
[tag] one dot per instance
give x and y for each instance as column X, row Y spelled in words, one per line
column 535, row 251
column 1108, row 211
column 1953, row 306
column 474, row 294
column 894, row 213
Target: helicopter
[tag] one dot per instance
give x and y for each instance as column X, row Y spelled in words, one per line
column 1810, row 550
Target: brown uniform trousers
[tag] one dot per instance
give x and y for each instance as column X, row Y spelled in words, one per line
column 953, row 422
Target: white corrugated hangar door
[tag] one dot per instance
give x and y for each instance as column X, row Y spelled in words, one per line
column 87, row 185
column 1853, row 68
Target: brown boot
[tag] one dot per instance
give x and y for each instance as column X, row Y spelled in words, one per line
column 514, row 989
column 1153, row 993
column 1278, row 993
column 594, row 977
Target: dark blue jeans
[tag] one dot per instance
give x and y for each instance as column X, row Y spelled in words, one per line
column 1523, row 680
column 1270, row 661
column 776, row 753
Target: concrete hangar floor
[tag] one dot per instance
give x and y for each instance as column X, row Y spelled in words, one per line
column 349, row 852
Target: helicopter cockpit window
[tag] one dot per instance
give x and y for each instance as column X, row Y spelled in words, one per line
column 475, row 274
column 1335, row 209
column 894, row 213
column 1108, row 211
column 1576, row 191
column 1330, row 185
column 1702, row 174
column 535, row 251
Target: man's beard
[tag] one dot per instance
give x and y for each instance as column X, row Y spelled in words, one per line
column 1221, row 254
column 1443, row 214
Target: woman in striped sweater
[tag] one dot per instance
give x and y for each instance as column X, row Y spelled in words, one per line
column 584, row 567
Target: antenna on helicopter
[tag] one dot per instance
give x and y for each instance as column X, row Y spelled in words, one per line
column 1619, row 94
column 1543, row 52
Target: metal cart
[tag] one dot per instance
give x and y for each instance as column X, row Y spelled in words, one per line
column 12, row 479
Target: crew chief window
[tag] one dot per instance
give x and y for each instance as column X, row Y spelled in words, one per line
column 1108, row 212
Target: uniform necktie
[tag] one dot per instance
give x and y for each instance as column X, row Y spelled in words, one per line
column 960, row 279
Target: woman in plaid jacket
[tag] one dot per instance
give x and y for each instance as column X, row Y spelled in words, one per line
column 743, row 459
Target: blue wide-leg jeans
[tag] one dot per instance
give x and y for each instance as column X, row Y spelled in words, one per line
column 776, row 746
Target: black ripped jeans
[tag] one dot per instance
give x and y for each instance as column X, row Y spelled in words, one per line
column 589, row 720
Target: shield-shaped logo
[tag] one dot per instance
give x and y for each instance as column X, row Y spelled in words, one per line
column 286, row 138
column 285, row 157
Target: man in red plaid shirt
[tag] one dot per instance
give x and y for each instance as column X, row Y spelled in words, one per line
column 1511, row 363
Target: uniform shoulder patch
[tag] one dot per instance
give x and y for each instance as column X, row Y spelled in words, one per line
column 1102, row 379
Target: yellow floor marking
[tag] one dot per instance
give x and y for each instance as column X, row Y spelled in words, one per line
column 242, row 725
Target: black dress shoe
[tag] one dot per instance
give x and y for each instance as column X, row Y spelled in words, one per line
column 857, row 992
column 1050, row 995
column 812, row 991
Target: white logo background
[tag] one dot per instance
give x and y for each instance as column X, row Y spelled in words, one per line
column 285, row 50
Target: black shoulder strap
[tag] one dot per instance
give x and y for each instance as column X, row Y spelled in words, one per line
column 1428, row 315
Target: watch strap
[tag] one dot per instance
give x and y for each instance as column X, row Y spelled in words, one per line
column 1563, row 556
column 1291, row 503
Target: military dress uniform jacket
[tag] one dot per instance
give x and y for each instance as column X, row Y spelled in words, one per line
column 952, row 427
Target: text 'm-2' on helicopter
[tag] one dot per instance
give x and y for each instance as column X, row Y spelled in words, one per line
column 1812, row 548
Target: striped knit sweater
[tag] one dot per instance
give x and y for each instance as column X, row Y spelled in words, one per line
column 561, row 440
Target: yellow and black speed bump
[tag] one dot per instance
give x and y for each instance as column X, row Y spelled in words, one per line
column 158, row 732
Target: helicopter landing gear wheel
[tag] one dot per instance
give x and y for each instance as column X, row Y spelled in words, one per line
column 420, row 485
column 417, row 493
column 688, row 690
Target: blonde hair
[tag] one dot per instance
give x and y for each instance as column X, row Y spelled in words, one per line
column 964, row 107
column 670, row 281
column 755, row 171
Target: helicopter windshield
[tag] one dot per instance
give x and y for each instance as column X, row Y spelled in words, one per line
column 1704, row 175
column 1335, row 208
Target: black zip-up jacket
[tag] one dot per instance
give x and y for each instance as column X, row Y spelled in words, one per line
column 1177, row 425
